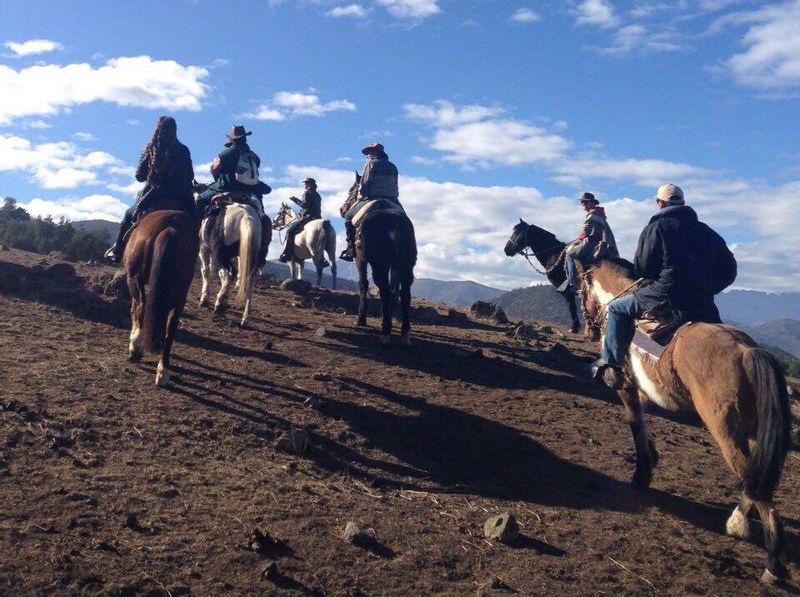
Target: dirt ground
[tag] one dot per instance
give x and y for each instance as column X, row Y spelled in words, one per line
column 109, row 485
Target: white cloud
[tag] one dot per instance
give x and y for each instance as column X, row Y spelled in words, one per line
column 33, row 47
column 599, row 13
column 771, row 60
column 525, row 15
column 356, row 11
column 136, row 81
column 411, row 9
column 53, row 165
column 92, row 207
column 290, row 104
column 84, row 136
column 638, row 37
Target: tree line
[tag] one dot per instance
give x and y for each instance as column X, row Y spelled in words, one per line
column 43, row 235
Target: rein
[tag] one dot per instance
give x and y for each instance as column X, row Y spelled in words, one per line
column 596, row 321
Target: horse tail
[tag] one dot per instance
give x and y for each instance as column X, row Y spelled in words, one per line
column 248, row 253
column 328, row 235
column 774, row 420
column 160, row 302
column 406, row 250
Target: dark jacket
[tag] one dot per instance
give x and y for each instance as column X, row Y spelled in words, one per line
column 379, row 179
column 175, row 183
column 685, row 262
column 223, row 169
column 596, row 230
column 310, row 205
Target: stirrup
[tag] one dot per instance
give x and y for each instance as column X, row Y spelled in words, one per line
column 348, row 255
column 284, row 258
column 111, row 254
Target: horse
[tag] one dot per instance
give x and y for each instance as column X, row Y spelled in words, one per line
column 315, row 240
column 389, row 246
column 550, row 252
column 737, row 388
column 235, row 232
column 159, row 263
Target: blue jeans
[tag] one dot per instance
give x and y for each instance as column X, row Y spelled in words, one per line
column 204, row 199
column 572, row 273
column 622, row 315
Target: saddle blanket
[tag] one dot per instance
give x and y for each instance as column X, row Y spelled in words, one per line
column 374, row 204
column 652, row 347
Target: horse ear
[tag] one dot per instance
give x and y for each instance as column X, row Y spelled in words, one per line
column 521, row 221
column 358, row 177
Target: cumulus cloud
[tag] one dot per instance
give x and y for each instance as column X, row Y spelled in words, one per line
column 598, row 13
column 58, row 165
column 291, row 104
column 91, row 207
column 411, row 9
column 525, row 15
column 351, row 10
column 33, row 47
column 136, row 81
column 771, row 59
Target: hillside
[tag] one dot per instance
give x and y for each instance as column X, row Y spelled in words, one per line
column 541, row 303
column 454, row 292
column 783, row 333
column 752, row 308
column 112, row 486
column 110, row 228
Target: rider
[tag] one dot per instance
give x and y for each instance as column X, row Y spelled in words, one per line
column 235, row 169
column 595, row 240
column 166, row 167
column 379, row 181
column 683, row 262
column 310, row 209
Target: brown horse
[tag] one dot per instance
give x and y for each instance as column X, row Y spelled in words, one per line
column 159, row 260
column 737, row 388
column 389, row 246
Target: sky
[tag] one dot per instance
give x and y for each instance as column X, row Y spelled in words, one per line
column 491, row 109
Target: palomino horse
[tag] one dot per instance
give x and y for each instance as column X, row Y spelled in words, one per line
column 315, row 240
column 388, row 245
column 549, row 251
column 159, row 261
column 737, row 388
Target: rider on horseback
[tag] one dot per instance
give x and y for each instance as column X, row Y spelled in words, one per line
column 379, row 181
column 310, row 209
column 235, row 170
column 595, row 241
column 166, row 167
column 683, row 263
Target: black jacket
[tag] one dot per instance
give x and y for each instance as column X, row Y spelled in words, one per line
column 310, row 205
column 175, row 183
column 685, row 262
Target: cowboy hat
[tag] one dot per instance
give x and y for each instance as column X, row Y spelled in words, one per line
column 373, row 148
column 310, row 181
column 586, row 197
column 237, row 132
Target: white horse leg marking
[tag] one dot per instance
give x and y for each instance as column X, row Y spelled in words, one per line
column 205, row 272
column 133, row 347
column 162, row 375
column 738, row 525
column 225, row 280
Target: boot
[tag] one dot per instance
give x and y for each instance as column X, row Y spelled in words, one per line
column 117, row 250
column 349, row 254
column 609, row 375
column 288, row 252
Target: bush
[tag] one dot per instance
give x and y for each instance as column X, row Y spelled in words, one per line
column 43, row 235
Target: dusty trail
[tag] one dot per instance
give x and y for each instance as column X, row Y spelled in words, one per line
column 110, row 485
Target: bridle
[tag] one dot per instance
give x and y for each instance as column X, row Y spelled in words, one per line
column 528, row 254
column 282, row 212
column 600, row 321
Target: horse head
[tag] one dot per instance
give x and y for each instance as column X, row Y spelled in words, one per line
column 280, row 218
column 198, row 187
column 517, row 242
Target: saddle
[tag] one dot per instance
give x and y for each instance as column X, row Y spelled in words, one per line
column 656, row 329
column 373, row 205
column 226, row 198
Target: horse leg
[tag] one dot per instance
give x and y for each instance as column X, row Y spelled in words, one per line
column 774, row 542
column 318, row 264
column 738, row 524
column 205, row 272
column 646, row 454
column 363, row 291
column 573, row 311
column 162, row 371
column 405, row 309
column 292, row 265
column 222, row 295
column 137, row 312
column 333, row 271
column 381, row 279
column 246, row 311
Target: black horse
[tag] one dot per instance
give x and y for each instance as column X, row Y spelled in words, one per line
column 389, row 246
column 549, row 251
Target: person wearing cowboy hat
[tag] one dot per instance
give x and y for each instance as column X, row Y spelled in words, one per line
column 227, row 169
column 595, row 241
column 683, row 263
column 310, row 209
column 378, row 181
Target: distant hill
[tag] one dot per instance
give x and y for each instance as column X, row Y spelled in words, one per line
column 459, row 293
column 535, row 302
column 111, row 228
column 781, row 333
column 752, row 307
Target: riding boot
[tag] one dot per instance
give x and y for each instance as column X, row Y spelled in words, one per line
column 349, row 254
column 266, row 232
column 288, row 251
column 117, row 250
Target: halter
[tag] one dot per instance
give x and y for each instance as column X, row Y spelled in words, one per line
column 528, row 254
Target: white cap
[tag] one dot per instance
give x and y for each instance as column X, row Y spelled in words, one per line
column 670, row 194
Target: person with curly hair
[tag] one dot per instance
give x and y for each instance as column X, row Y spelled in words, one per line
column 165, row 167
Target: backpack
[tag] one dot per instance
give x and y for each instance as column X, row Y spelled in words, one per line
column 247, row 168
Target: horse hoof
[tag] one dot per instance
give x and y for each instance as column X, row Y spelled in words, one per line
column 574, row 329
column 738, row 525
column 135, row 356
column 642, row 479
column 242, row 325
column 405, row 338
column 771, row 579
column 386, row 339
column 162, row 379
column 362, row 323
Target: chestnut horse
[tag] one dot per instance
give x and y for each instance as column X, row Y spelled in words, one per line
column 737, row 388
column 159, row 260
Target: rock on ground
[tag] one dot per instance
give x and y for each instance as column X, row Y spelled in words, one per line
column 485, row 310
column 503, row 528
column 296, row 286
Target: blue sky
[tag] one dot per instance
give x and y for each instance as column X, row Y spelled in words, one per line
column 491, row 109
